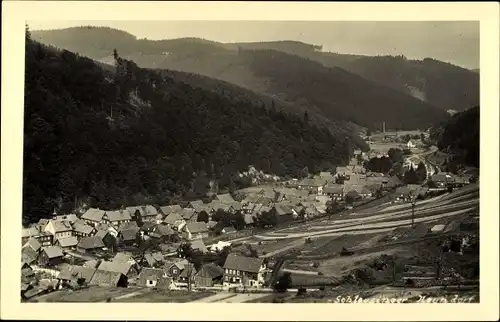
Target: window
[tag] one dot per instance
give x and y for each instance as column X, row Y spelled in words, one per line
column 227, row 271
column 150, row 282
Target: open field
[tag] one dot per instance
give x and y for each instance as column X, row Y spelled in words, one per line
column 171, row 296
column 89, row 294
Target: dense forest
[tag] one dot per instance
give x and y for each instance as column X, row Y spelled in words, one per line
column 291, row 72
column 133, row 136
column 460, row 136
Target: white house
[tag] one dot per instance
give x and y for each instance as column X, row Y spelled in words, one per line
column 244, row 271
column 59, row 228
column 410, row 144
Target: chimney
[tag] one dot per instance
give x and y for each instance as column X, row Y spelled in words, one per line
column 383, row 127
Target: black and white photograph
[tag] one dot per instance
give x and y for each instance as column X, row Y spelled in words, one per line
column 251, row 161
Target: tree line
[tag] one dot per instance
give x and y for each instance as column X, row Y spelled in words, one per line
column 132, row 136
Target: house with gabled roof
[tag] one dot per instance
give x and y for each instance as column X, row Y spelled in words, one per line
column 175, row 269
column 242, row 270
column 72, row 274
column 128, row 236
column 154, row 278
column 67, row 243
column 34, row 244
column 71, row 218
column 116, row 217
column 59, row 228
column 360, row 189
column 50, row 256
column 164, row 233
column 167, row 210
column 335, row 191
column 146, row 213
column 195, row 230
column 283, row 212
column 313, row 185
column 82, row 229
column 90, row 244
column 126, row 268
column 109, row 278
column 30, row 232
column 124, row 258
column 93, row 216
column 209, row 275
column 174, row 220
column 29, row 255
column 188, row 214
column 128, row 225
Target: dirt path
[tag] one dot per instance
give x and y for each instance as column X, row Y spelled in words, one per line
column 215, row 298
column 130, row 295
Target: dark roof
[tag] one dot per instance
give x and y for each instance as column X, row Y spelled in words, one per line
column 33, row 243
column 282, row 209
column 187, row 269
column 229, row 229
column 68, row 241
column 28, row 255
column 129, row 234
column 53, row 251
column 105, row 278
column 198, row 244
column 116, row 266
column 91, row 242
column 197, row 227
column 73, row 272
column 101, row 233
column 210, row 270
column 164, row 230
column 243, row 263
column 148, row 226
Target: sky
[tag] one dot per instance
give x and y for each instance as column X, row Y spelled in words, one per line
column 449, row 41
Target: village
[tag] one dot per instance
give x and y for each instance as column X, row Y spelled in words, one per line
column 200, row 247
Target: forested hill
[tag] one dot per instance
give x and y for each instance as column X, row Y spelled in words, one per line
column 296, row 76
column 460, row 136
column 135, row 136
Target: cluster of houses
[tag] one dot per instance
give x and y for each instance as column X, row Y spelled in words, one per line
column 55, row 243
